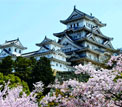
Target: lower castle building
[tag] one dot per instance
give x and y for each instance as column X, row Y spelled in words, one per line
column 48, row 48
column 12, row 48
column 52, row 50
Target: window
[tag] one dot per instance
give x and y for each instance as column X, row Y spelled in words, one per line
column 56, row 64
column 19, row 51
column 60, row 65
column 9, row 49
column 75, row 37
column 87, row 45
column 70, row 26
column 89, row 25
column 15, row 49
column 77, row 24
column 74, row 25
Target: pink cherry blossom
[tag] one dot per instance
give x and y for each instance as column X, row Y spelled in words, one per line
column 101, row 90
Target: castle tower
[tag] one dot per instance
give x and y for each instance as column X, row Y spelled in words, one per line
column 11, row 48
column 83, row 40
column 51, row 50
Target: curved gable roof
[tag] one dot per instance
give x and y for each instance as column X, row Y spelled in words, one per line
column 15, row 43
column 77, row 14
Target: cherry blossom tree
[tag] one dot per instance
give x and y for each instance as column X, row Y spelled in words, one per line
column 13, row 98
column 103, row 89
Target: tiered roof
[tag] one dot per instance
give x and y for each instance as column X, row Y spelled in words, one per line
column 15, row 43
column 48, row 41
column 48, row 50
column 60, row 34
column 92, row 36
column 76, row 15
column 75, row 43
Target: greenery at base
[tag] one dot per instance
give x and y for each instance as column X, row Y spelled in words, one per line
column 29, row 70
column 14, row 82
column 42, row 71
column 23, row 70
column 64, row 76
column 6, row 66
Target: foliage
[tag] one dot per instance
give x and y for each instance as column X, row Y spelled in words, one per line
column 22, row 67
column 103, row 89
column 64, row 76
column 6, row 66
column 42, row 71
column 14, row 82
column 29, row 70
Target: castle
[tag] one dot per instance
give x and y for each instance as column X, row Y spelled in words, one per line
column 81, row 42
column 83, row 39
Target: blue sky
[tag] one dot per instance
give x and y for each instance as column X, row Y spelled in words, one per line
column 31, row 20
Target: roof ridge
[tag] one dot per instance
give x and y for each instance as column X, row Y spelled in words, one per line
column 11, row 40
column 48, row 38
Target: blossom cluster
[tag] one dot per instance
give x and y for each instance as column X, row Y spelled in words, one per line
column 14, row 98
column 116, row 63
column 101, row 90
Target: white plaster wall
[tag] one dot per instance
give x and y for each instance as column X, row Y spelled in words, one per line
column 78, row 35
column 59, row 57
column 99, row 40
column 51, row 46
column 81, row 24
column 69, row 48
column 91, row 46
column 92, row 56
column 12, row 51
column 58, row 66
column 3, row 54
column 89, row 24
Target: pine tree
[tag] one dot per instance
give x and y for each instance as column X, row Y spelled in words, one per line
column 23, row 69
column 6, row 66
column 42, row 71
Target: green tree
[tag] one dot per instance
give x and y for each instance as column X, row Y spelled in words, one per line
column 14, row 82
column 65, row 76
column 22, row 67
column 6, row 66
column 42, row 71
column 30, row 80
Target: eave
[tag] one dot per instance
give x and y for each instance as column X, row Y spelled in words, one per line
column 60, row 34
column 9, row 45
column 60, row 61
column 78, row 61
column 36, row 53
column 89, row 50
column 50, row 42
column 95, row 20
column 85, row 39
